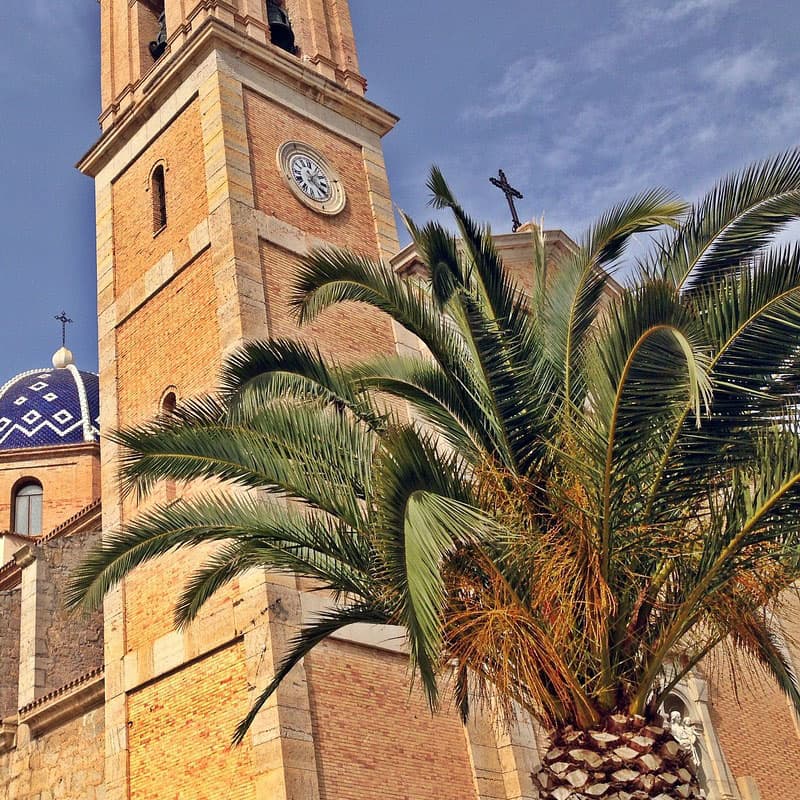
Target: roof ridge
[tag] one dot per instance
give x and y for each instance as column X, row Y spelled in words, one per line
column 87, row 676
column 67, row 523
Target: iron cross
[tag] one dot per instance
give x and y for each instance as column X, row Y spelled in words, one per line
column 510, row 192
column 64, row 320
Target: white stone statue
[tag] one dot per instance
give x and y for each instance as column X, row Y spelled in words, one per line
column 686, row 735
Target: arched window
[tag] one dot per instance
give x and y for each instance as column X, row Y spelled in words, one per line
column 158, row 189
column 168, row 403
column 28, row 508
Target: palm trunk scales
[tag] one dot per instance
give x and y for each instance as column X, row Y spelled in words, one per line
column 625, row 759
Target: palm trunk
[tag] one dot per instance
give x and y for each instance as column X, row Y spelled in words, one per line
column 626, row 759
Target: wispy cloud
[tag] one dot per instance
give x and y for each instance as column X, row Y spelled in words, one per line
column 654, row 98
column 733, row 72
column 699, row 9
column 657, row 25
column 525, row 83
column 692, row 11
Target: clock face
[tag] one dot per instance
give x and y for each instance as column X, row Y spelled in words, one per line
column 310, row 177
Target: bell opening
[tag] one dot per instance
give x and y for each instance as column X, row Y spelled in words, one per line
column 280, row 29
column 159, row 44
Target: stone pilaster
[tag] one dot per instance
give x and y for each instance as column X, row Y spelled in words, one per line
column 281, row 736
column 486, row 769
column 720, row 779
column 504, row 757
column 517, row 750
column 241, row 306
column 37, row 607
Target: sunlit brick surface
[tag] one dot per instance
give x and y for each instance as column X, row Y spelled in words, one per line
column 375, row 739
column 180, row 733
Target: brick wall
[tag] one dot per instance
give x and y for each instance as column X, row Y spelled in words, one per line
column 70, row 478
column 758, row 734
column 136, row 248
column 172, row 341
column 9, row 650
column 374, row 738
column 268, row 126
column 65, row 763
column 349, row 331
column 152, row 591
column 181, row 727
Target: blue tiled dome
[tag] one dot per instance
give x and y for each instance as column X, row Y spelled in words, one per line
column 49, row 407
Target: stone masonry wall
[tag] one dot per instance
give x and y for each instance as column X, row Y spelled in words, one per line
column 64, row 764
column 74, row 641
column 9, row 650
column 149, row 362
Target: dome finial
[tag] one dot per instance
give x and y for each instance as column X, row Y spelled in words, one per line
column 62, row 358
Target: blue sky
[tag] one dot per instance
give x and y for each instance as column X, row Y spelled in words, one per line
column 582, row 102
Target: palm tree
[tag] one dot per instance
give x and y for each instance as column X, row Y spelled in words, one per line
column 594, row 490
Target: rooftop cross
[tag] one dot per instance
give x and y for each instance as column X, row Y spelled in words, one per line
column 511, row 193
column 64, row 320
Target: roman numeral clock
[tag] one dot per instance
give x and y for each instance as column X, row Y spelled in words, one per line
column 311, row 177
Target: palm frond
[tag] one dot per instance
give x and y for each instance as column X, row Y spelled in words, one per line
column 736, row 219
column 260, row 372
column 302, row 451
column 582, row 279
column 424, row 512
column 271, row 535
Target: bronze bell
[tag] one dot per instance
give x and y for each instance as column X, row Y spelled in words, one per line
column 158, row 46
column 280, row 29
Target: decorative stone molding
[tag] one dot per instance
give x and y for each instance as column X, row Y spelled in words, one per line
column 8, row 734
column 64, row 704
column 25, row 556
column 213, row 34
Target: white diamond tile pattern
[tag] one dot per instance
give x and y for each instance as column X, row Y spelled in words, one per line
column 43, row 408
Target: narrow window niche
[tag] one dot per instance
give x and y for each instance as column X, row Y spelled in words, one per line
column 168, row 403
column 158, row 195
column 152, row 31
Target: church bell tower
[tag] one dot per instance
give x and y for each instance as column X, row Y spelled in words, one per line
column 235, row 135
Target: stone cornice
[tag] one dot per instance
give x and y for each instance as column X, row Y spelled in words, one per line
column 25, row 556
column 50, row 451
column 64, row 704
column 156, row 86
column 10, row 576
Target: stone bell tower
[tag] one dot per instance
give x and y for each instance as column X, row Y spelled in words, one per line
column 235, row 135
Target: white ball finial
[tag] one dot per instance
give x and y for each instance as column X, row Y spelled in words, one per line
column 62, row 358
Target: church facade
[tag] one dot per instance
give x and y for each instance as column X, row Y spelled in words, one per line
column 236, row 135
